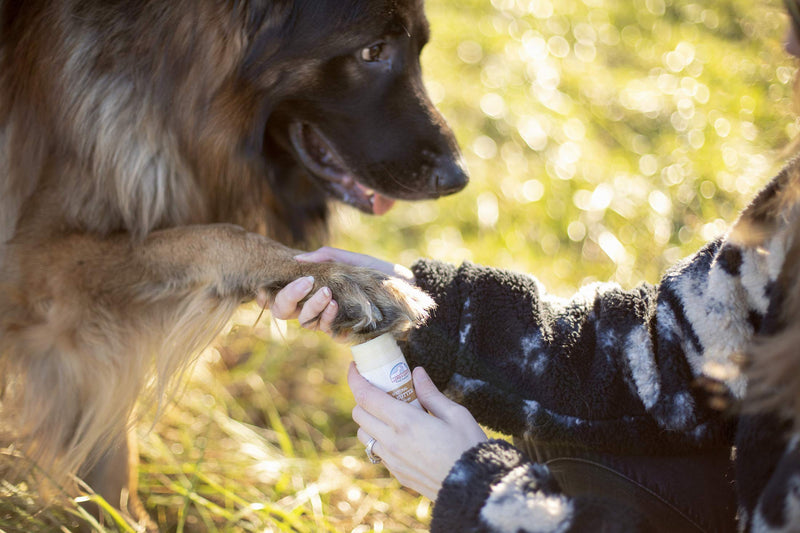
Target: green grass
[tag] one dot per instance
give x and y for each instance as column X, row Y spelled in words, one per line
column 637, row 138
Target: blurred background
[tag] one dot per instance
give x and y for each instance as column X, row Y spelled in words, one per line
column 605, row 140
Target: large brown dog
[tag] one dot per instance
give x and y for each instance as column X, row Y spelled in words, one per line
column 130, row 131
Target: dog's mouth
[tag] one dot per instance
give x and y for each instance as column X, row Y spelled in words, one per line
column 321, row 159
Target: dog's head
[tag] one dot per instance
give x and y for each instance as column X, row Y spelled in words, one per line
column 350, row 108
column 256, row 112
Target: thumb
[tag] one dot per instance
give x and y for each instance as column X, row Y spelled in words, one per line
column 320, row 255
column 428, row 395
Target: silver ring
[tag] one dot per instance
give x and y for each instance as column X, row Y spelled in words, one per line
column 374, row 459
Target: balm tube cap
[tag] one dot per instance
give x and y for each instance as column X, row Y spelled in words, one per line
column 382, row 363
column 376, row 352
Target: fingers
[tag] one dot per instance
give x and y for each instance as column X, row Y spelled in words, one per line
column 399, row 271
column 429, row 396
column 285, row 305
column 327, row 316
column 372, row 399
column 371, row 424
column 407, row 474
column 437, row 403
column 326, row 253
column 365, row 436
column 319, row 311
column 417, row 448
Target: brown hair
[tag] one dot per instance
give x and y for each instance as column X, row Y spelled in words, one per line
column 773, row 360
column 773, row 367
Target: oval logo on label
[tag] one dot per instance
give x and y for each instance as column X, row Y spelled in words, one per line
column 399, row 373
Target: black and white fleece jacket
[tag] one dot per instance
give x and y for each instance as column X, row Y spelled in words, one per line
column 612, row 370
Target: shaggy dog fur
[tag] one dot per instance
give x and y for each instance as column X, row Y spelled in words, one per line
column 153, row 154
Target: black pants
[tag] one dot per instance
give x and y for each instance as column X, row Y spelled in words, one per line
column 690, row 493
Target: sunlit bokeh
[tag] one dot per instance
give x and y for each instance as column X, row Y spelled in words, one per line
column 606, row 140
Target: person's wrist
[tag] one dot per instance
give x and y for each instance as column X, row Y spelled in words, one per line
column 470, row 480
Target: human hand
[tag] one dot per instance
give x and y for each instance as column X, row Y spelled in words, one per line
column 320, row 310
column 417, row 448
column 326, row 253
column 317, row 313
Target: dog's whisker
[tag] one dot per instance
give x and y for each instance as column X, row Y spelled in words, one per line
column 388, row 172
column 260, row 314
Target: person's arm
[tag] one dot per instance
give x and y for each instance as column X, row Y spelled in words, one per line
column 478, row 485
column 494, row 488
column 608, row 368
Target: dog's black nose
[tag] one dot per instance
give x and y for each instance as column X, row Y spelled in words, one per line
column 449, row 175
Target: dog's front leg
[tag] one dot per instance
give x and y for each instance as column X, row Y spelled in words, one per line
column 234, row 264
column 115, row 475
column 84, row 320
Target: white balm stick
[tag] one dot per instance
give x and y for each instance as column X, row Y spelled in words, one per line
column 382, row 363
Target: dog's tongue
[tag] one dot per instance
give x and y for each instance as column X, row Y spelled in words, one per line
column 381, row 204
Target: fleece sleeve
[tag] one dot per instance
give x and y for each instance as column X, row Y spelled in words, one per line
column 493, row 488
column 608, row 369
column 611, row 369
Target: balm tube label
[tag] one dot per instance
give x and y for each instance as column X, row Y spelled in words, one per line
column 394, row 378
column 405, row 392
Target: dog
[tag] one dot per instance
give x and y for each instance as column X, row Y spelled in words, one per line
column 160, row 160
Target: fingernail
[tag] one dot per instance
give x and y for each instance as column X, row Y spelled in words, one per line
column 300, row 257
column 326, row 292
column 306, row 282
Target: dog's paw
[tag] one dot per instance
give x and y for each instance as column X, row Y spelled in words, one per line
column 372, row 303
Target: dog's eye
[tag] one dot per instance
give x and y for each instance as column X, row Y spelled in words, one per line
column 372, row 52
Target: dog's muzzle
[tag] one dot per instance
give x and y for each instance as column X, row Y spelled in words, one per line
column 449, row 175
